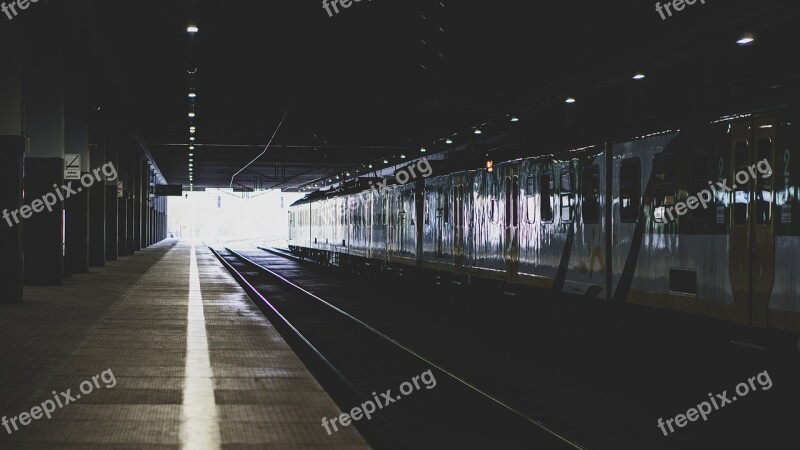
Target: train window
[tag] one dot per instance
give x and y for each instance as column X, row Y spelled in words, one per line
column 546, row 197
column 493, row 202
column 515, row 189
column 567, row 180
column 567, row 197
column 663, row 170
column 764, row 185
column 427, row 207
column 700, row 177
column 530, row 188
column 590, row 194
column 741, row 196
column 508, row 201
column 630, row 188
column 445, row 196
column 664, row 188
column 530, row 199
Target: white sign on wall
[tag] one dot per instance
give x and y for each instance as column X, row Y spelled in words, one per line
column 72, row 167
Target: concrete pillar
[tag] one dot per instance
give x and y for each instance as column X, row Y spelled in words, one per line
column 97, row 211
column 112, row 221
column 122, row 202
column 133, row 163
column 44, row 164
column 112, row 203
column 145, row 205
column 137, row 204
column 77, row 143
column 11, row 237
column 12, row 147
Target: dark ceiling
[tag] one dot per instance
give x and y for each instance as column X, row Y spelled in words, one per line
column 377, row 79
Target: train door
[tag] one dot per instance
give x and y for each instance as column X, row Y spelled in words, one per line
column 752, row 230
column 391, row 221
column 438, row 226
column 511, row 225
column 458, row 221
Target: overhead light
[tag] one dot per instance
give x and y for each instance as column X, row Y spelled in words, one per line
column 190, row 164
column 422, row 150
column 386, row 161
column 191, row 160
column 192, row 95
column 329, row 180
column 765, row 126
column 448, row 141
column 192, row 29
column 370, row 166
column 403, row 156
column 191, row 114
column 191, row 130
column 191, row 138
column 348, row 174
column 337, row 177
column 514, row 119
column 191, row 154
column 569, row 100
column 638, row 76
column 746, row 39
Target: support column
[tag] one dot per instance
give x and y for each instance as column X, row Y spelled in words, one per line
column 44, row 164
column 12, row 147
column 112, row 220
column 97, row 214
column 77, row 143
column 122, row 202
column 144, row 207
column 11, row 238
column 112, row 204
column 137, row 204
column 133, row 163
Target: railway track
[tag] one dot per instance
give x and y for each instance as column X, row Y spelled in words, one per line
column 599, row 380
column 357, row 362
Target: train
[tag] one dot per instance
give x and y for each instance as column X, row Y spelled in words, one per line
column 603, row 221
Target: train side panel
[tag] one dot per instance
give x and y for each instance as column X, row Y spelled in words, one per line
column 437, row 224
column 402, row 229
column 484, row 247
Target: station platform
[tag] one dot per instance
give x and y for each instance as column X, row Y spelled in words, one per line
column 161, row 350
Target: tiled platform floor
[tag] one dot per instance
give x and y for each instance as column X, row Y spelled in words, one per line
column 132, row 317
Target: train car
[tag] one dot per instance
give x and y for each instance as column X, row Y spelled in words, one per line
column 702, row 220
column 727, row 257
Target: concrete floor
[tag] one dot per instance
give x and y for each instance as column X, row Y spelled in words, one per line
column 180, row 358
